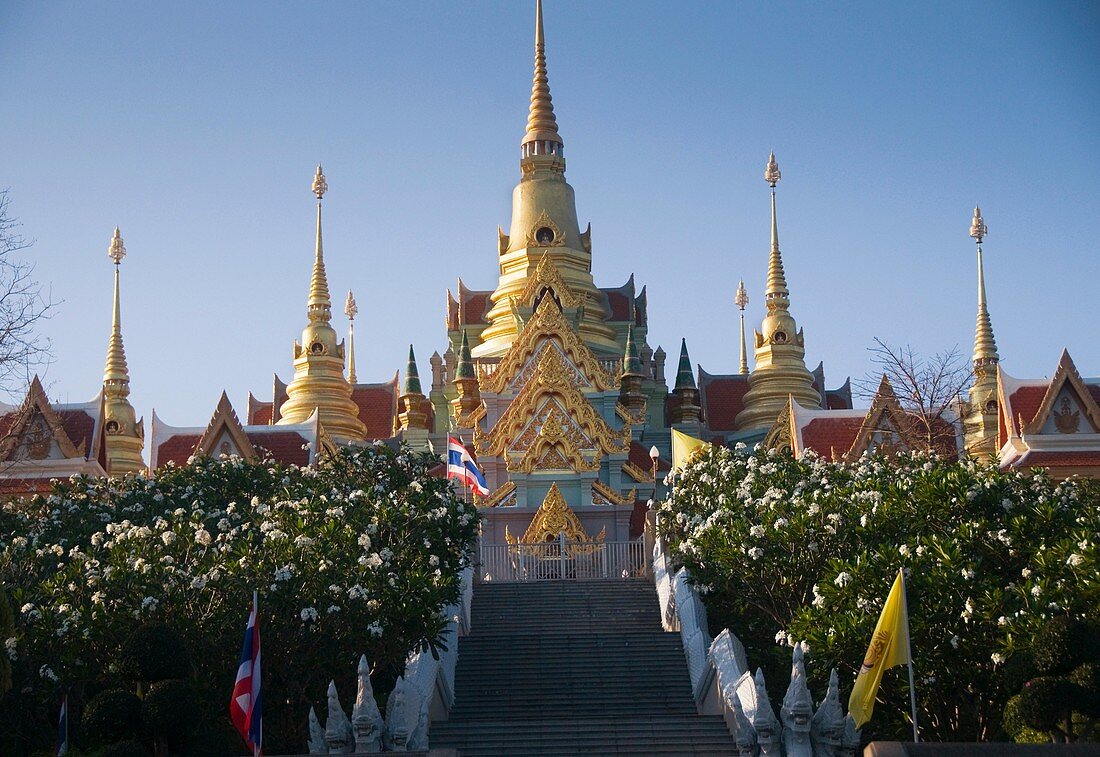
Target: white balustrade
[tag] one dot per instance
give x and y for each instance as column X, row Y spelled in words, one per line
column 562, row 559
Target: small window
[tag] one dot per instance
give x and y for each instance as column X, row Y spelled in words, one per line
column 779, row 337
column 112, row 427
column 545, row 235
column 317, row 348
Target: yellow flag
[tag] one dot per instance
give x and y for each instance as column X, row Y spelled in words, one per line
column 889, row 647
column 683, row 446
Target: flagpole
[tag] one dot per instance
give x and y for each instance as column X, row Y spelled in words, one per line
column 256, row 609
column 909, row 653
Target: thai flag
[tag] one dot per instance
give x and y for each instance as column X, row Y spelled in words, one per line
column 63, row 727
column 245, row 708
column 461, row 467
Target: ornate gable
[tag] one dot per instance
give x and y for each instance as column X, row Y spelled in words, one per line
column 224, row 434
column 782, row 433
column 550, row 425
column 554, row 517
column 1068, row 406
column 887, row 427
column 37, row 433
column 549, row 323
column 545, row 277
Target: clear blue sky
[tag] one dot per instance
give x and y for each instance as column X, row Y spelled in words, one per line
column 196, row 126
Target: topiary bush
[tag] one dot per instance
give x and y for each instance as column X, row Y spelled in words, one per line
column 1086, row 678
column 7, row 631
column 1046, row 702
column 154, row 652
column 1061, row 645
column 1015, row 727
column 110, row 717
column 171, row 711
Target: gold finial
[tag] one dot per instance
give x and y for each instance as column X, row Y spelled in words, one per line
column 985, row 346
column 117, row 250
column 776, row 295
column 771, row 173
column 319, row 304
column 741, row 299
column 351, row 310
column 542, row 126
column 320, row 186
column 116, row 375
column 978, row 229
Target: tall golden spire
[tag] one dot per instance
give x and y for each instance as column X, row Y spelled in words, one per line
column 741, row 299
column 542, row 128
column 780, row 370
column 116, row 374
column 351, row 310
column 319, row 382
column 124, row 436
column 985, row 346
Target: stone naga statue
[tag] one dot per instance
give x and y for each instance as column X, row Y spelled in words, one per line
column 316, row 744
column 366, row 718
column 402, row 716
column 764, row 721
column 797, row 710
column 338, row 734
column 744, row 735
column 827, row 728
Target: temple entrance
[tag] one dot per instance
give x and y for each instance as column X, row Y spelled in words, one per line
column 561, row 559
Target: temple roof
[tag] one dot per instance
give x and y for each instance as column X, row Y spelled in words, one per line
column 722, row 397
column 73, row 431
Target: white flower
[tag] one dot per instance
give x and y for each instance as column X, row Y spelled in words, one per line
column 10, row 644
column 757, row 530
column 1026, row 572
column 780, row 523
column 843, row 578
column 202, row 536
column 1036, row 590
column 904, row 549
column 433, row 561
column 781, row 637
column 47, row 672
column 168, row 537
column 1074, row 560
column 967, row 573
column 303, row 541
column 364, row 541
column 756, row 553
column 998, row 659
column 955, row 642
column 284, row 573
column 309, row 614
column 149, row 603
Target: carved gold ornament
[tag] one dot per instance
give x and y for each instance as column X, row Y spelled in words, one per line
column 545, row 233
column 555, row 517
column 503, row 496
column 546, row 276
column 636, row 473
column 602, row 494
column 547, row 323
column 1068, row 420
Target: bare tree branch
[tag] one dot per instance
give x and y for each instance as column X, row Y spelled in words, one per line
column 23, row 307
column 928, row 389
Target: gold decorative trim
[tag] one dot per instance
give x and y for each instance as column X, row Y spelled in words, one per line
column 498, row 497
column 636, row 473
column 547, row 323
column 1066, row 374
column 36, row 400
column 225, row 419
column 546, row 276
column 885, row 404
column 544, row 221
column 610, row 496
column 554, row 517
column 629, row 418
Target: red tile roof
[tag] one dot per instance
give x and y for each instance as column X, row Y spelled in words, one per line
column 80, row 428
column 722, row 398
column 639, row 455
column 377, row 407
column 831, row 437
column 177, row 449
column 618, row 303
column 1060, row 459
column 259, row 413
column 284, row 446
column 1025, row 403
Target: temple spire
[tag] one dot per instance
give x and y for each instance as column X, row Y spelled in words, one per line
column 350, row 310
column 741, row 299
column 542, row 127
column 776, row 295
column 985, row 346
column 320, row 304
column 685, row 378
column 412, row 375
column 632, row 363
column 116, row 374
column 124, row 437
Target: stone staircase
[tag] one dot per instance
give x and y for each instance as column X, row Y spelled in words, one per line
column 572, row 668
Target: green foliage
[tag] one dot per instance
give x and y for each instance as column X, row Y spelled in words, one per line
column 1086, row 677
column 784, row 549
column 170, row 710
column 1015, row 727
column 111, row 716
column 154, row 652
column 356, row 554
column 7, row 631
column 1046, row 702
column 1061, row 645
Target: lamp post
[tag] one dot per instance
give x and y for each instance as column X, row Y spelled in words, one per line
column 654, row 455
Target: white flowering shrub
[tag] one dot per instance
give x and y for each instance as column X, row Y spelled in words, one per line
column 786, row 550
column 357, row 554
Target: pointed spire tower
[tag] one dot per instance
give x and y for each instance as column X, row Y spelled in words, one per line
column 319, row 381
column 981, row 422
column 687, row 409
column 741, row 299
column 631, row 395
column 466, row 384
column 780, row 369
column 123, row 434
column 544, row 222
column 412, row 403
column 351, row 310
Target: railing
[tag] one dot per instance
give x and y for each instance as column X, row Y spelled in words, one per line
column 562, row 559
